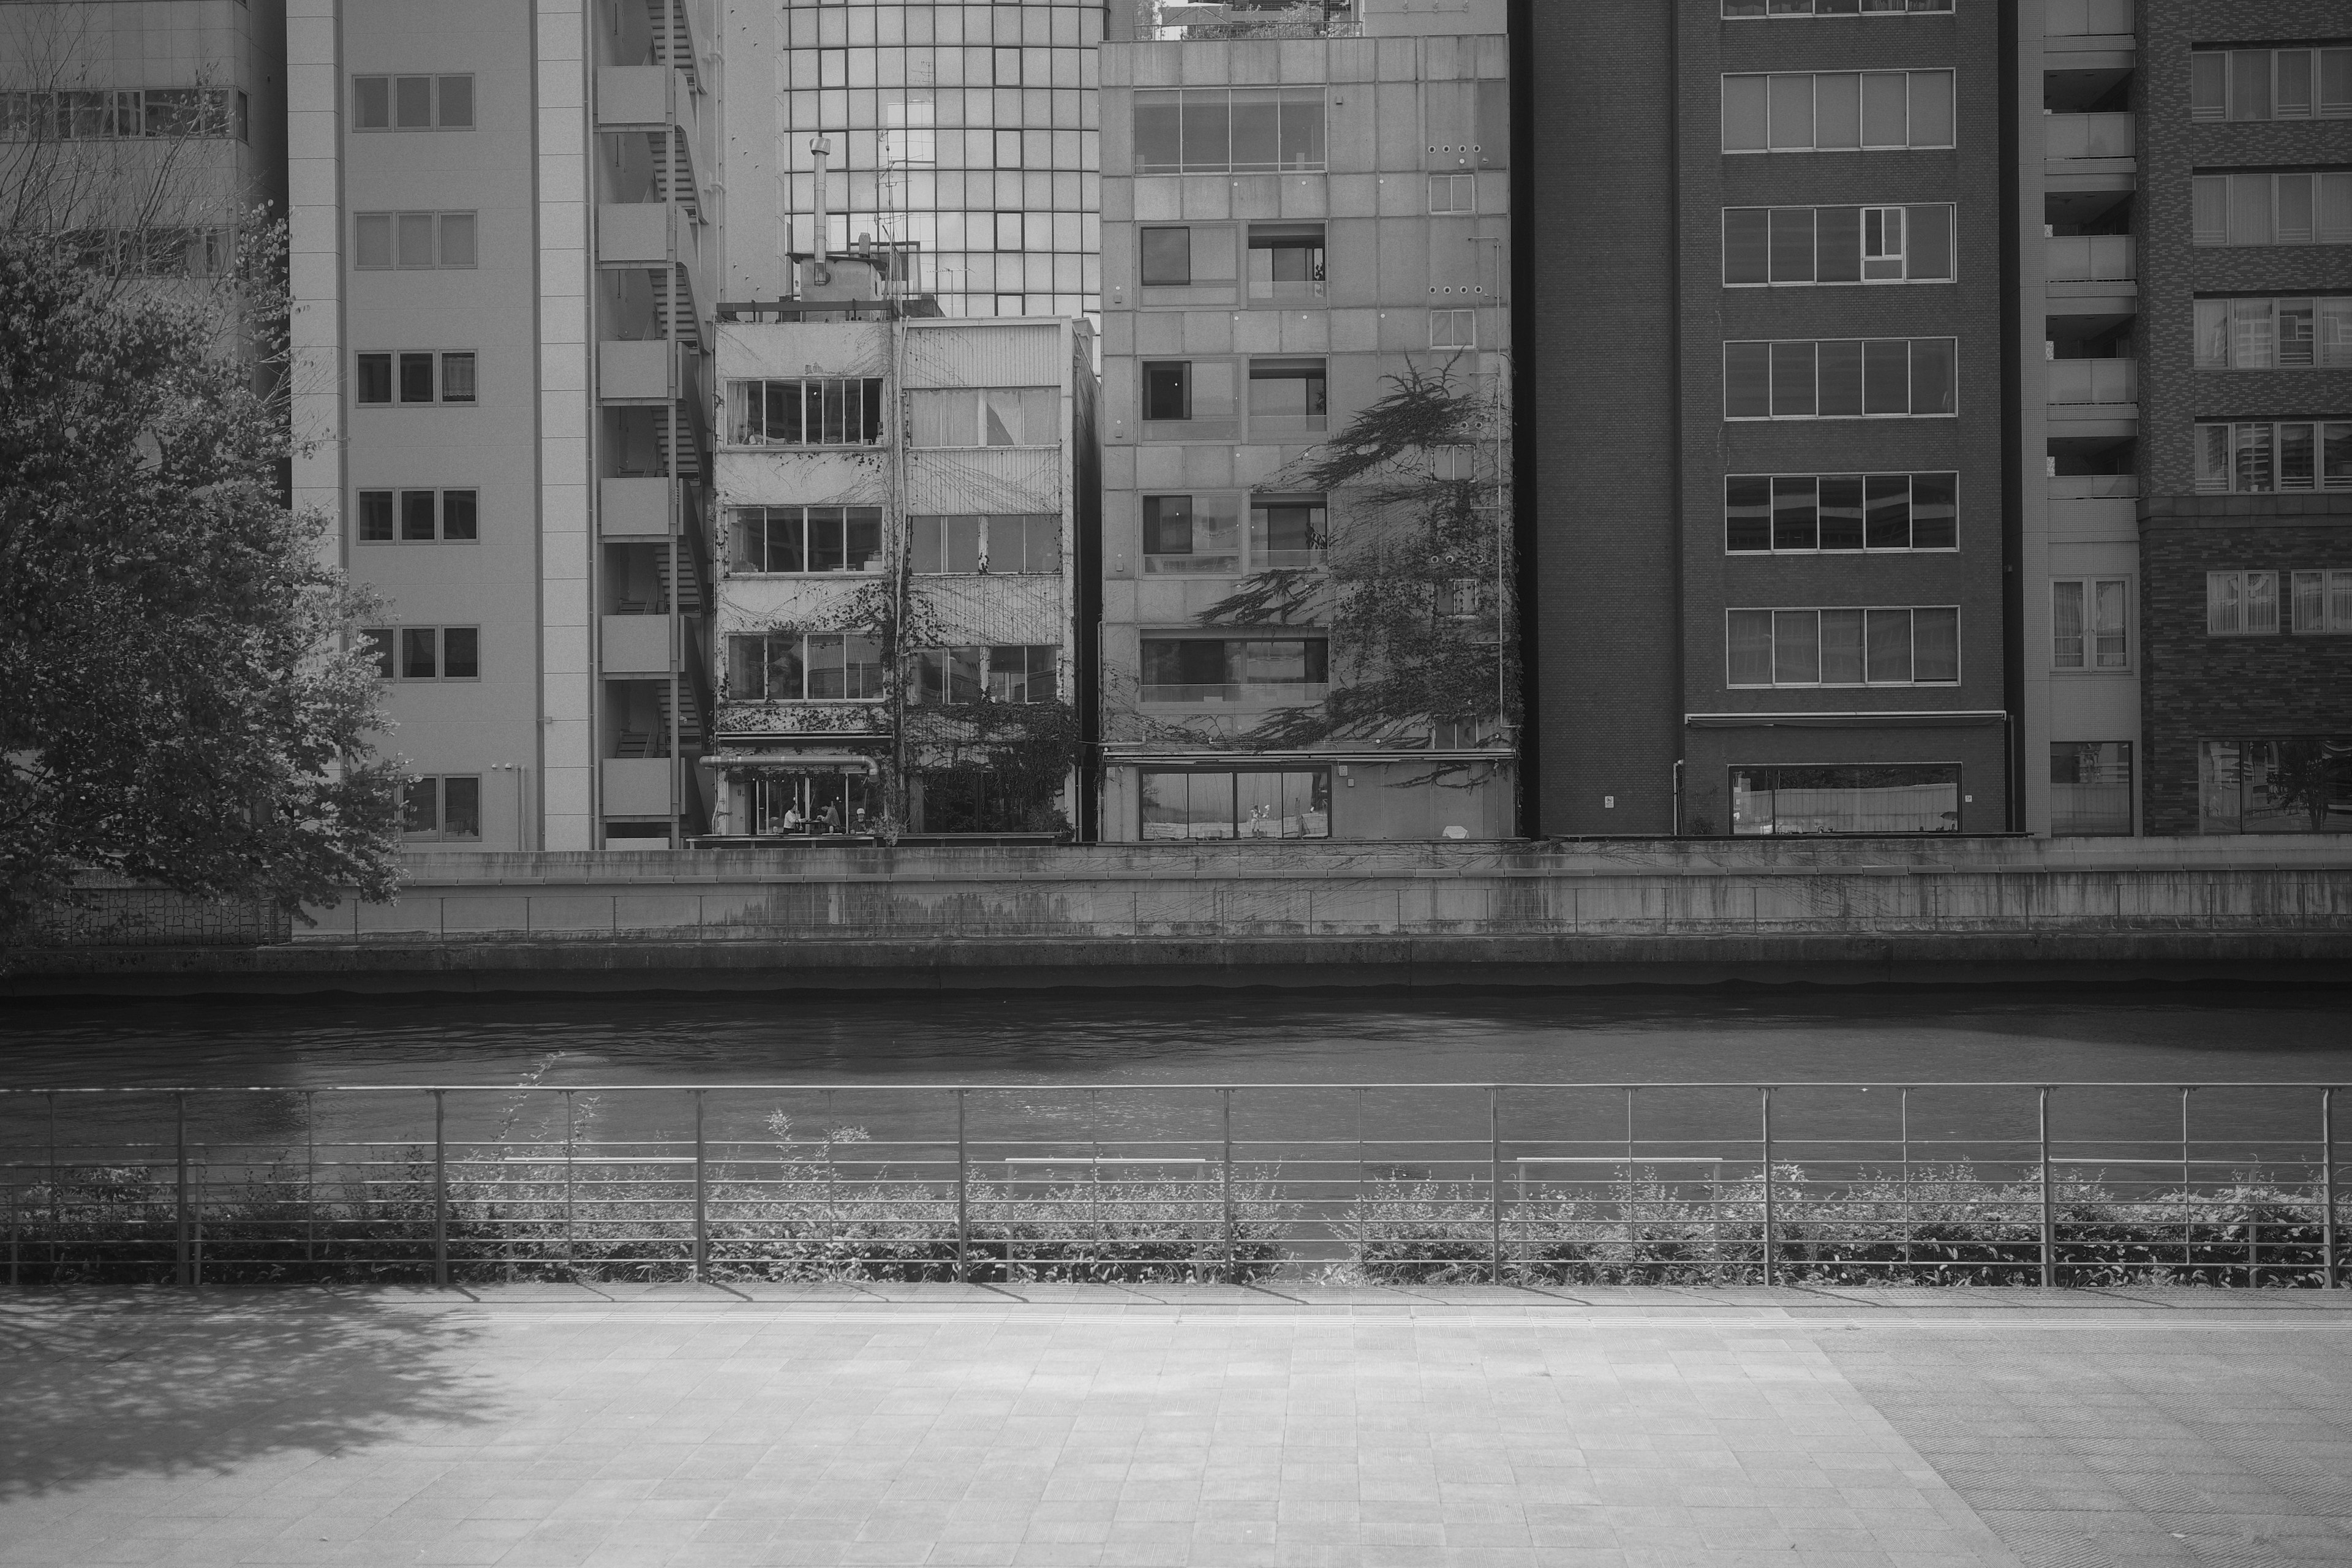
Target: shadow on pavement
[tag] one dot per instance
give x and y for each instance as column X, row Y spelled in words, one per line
column 105, row 1385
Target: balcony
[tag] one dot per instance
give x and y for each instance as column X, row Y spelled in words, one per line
column 644, row 371
column 2091, row 259
column 635, row 645
column 645, row 233
column 634, row 508
column 2093, row 487
column 2077, row 137
column 637, row 787
column 1176, row 21
column 2101, row 383
column 1266, row 695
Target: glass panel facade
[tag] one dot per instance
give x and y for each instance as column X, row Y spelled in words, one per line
column 2291, row 784
column 1245, row 803
column 1920, row 797
column 2090, row 786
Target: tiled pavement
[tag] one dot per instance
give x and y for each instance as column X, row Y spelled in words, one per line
column 1460, row 1428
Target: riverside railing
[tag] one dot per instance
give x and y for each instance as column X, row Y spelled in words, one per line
column 2039, row 1184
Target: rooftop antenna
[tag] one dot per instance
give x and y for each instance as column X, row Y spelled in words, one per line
column 820, row 148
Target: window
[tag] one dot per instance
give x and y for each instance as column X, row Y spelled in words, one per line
column 2090, row 787
column 1919, row 797
column 412, row 103
column 2271, row 84
column 419, row 517
column 154, row 251
column 416, row 377
column 425, row 653
column 1188, row 256
column 2323, row 602
column 2292, row 784
column 125, row 114
column 1840, row 378
column 816, row 411
column 1746, row 9
column 1202, row 535
column 988, row 416
column 2090, row 623
column 2241, row 603
column 1249, row 802
column 1235, row 670
column 2298, row 333
column 1007, row 544
column 1455, row 329
column 1451, row 194
column 1006, row 67
column 1167, row 254
column 813, row 666
column 1825, row 112
column 1765, row 245
column 1285, row 261
column 807, row 539
column 1802, row 513
column 2263, row 456
column 2294, row 208
column 1287, row 530
column 444, row 806
column 1871, row 647
column 1019, row 674
column 409, row 241
column 1190, row 400
column 1286, row 397
column 1009, row 233
column 1007, row 147
column 1220, row 129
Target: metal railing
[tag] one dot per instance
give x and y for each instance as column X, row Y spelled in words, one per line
column 2050, row 1185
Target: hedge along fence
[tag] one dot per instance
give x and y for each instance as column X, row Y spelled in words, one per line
column 802, row 1213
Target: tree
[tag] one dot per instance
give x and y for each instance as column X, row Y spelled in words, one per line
column 180, row 704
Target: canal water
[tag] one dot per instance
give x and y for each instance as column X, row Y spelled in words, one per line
column 1091, row 1073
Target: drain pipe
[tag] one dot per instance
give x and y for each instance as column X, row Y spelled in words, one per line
column 821, row 148
column 1678, row 797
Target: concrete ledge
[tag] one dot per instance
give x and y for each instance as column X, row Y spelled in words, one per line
column 2319, row 957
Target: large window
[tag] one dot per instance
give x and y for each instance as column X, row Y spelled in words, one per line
column 425, row 653
column 807, row 539
column 2303, row 332
column 999, row 543
column 1243, row 804
column 1285, row 261
column 2323, row 602
column 2297, row 207
column 1768, row 246
column 416, row 377
column 2241, row 603
column 2271, row 84
column 814, row 411
column 1222, row 130
column 1808, row 513
column 1893, row 646
column 1914, row 798
column 2090, row 786
column 1287, row 398
column 813, row 666
column 125, row 114
column 2261, row 457
column 1841, row 378
column 419, row 517
column 1191, row 400
column 1017, row 674
column 442, row 806
column 2090, row 623
column 2285, row 783
column 1203, row 534
column 1824, row 111
column 412, row 103
column 1738, row 9
column 1235, row 670
column 412, row 241
column 987, row 416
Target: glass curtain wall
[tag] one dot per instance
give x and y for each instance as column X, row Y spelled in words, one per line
column 964, row 137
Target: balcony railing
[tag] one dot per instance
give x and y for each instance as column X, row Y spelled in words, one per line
column 1257, row 694
column 2087, row 136
column 2091, row 259
column 1175, row 21
column 2093, row 487
column 2093, row 381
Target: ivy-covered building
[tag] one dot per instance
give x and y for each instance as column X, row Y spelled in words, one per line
column 905, row 511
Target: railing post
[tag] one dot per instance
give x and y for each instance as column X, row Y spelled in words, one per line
column 1227, row 1181
column 1770, row 1215
column 701, row 1198
column 440, row 1192
column 1494, row 1182
column 2049, row 1200
column 182, row 1275
column 964, row 1196
column 2327, row 1193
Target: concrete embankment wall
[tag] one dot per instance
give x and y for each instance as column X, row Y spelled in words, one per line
column 1665, row 912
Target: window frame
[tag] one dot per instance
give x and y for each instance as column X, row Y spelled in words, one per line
column 1735, row 791
column 437, row 85
column 1280, row 98
column 390, row 361
column 2090, row 657
column 1911, row 477
column 985, row 543
column 1772, row 658
column 1759, row 11
column 1911, row 110
column 395, row 502
column 2331, row 590
column 1447, row 325
column 1771, row 377
column 1243, row 692
column 2330, row 441
column 738, row 566
column 2222, row 314
column 2232, row 596
column 439, row 832
column 443, row 225
column 1456, row 183
column 748, row 394
column 2319, row 106
column 1317, row 788
column 392, row 643
column 805, row 667
column 1247, row 555
column 2214, row 197
column 1862, row 257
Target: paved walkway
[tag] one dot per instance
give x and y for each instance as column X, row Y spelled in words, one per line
column 1226, row 1428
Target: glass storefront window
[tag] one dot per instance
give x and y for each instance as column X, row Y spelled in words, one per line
column 2290, row 784
column 2090, row 786
column 1242, row 804
column 1906, row 797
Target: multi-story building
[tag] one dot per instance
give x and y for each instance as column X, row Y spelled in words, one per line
column 1768, row 383
column 905, row 508
column 503, row 241
column 1307, row 574
column 2244, row 460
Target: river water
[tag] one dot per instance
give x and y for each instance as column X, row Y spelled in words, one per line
column 1085, row 1072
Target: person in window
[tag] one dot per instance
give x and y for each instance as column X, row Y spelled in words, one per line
column 831, row 817
column 791, row 818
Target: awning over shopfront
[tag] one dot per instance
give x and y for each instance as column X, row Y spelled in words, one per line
column 791, row 762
